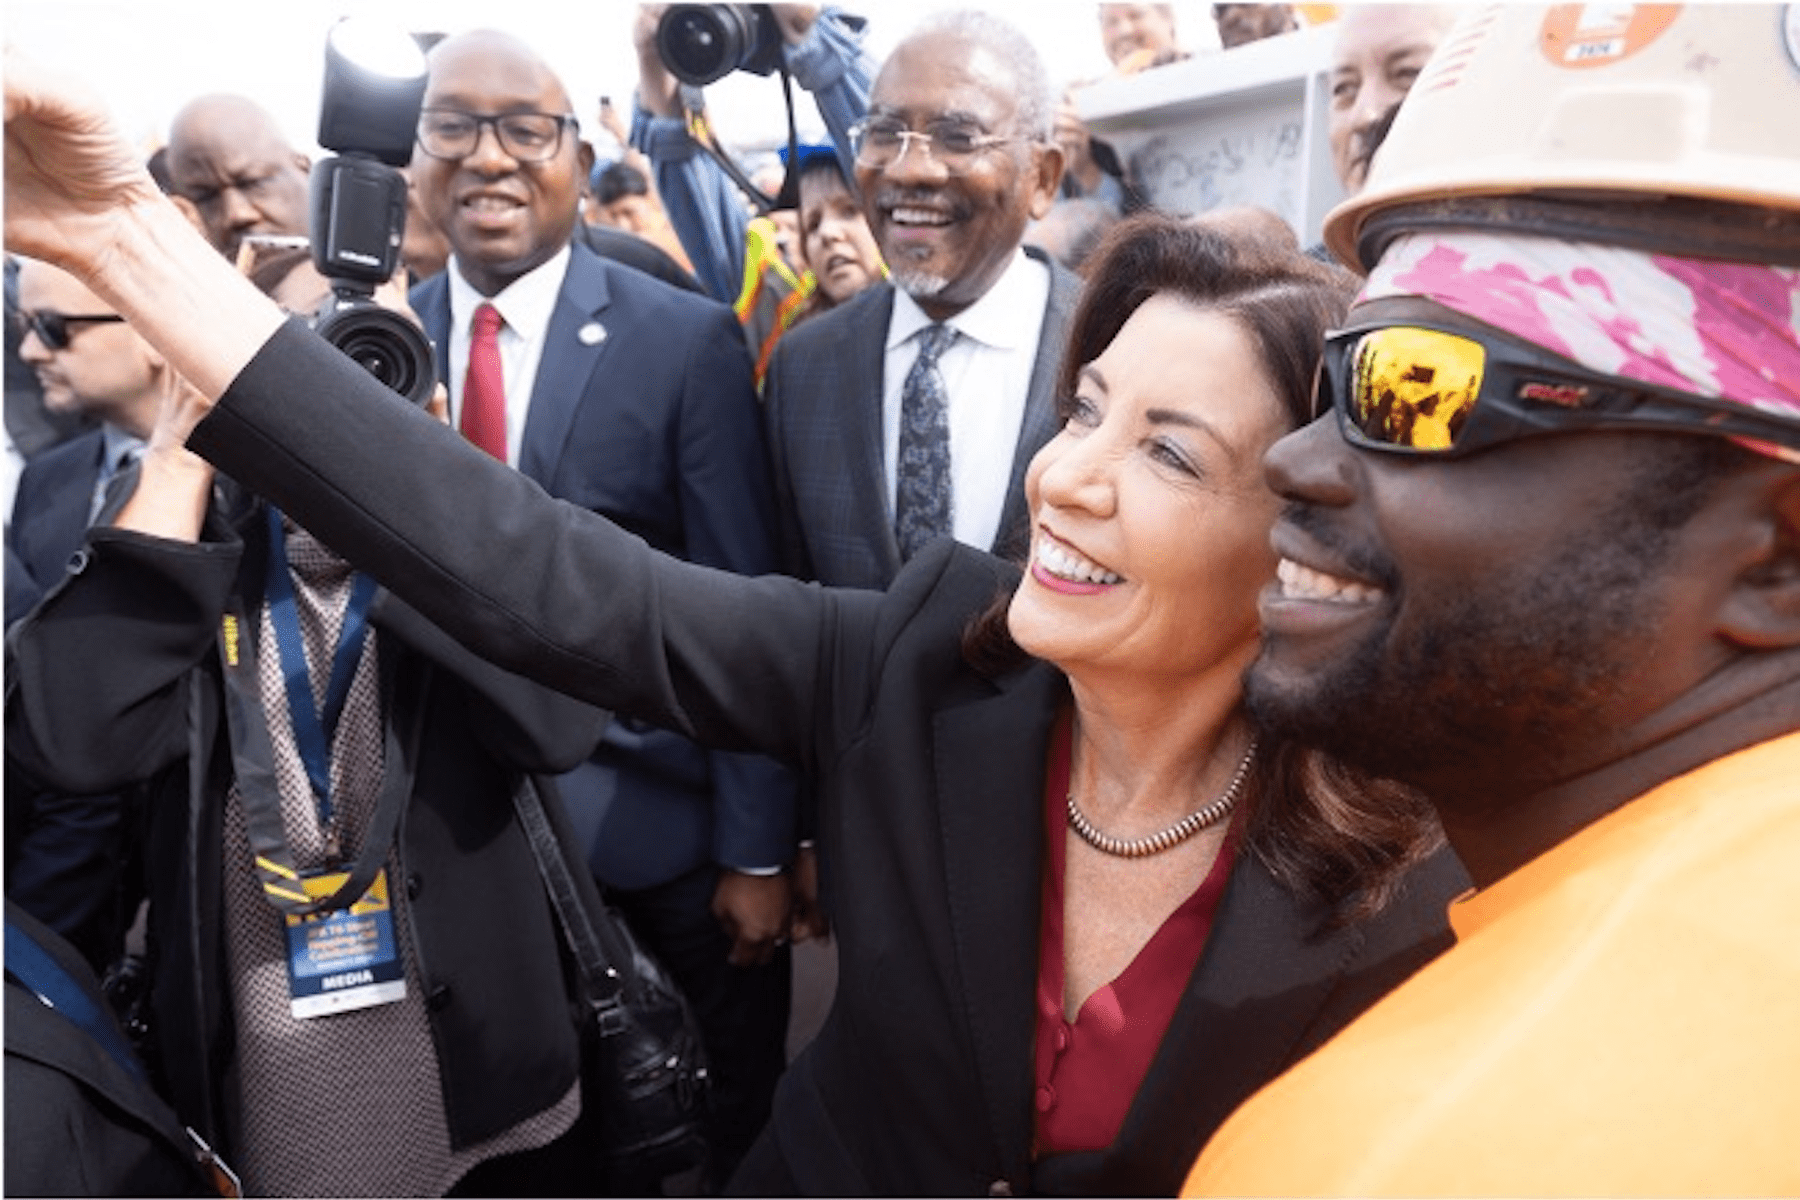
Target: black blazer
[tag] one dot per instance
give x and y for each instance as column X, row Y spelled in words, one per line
column 63, row 851
column 930, row 775
column 49, row 517
column 823, row 398
column 116, row 678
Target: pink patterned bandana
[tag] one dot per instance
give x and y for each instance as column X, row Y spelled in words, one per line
column 1722, row 330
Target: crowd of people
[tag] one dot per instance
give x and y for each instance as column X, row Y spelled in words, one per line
column 1251, row 718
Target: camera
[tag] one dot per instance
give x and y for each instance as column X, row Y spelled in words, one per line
column 703, row 43
column 374, row 86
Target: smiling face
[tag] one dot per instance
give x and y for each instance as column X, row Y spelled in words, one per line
column 1379, row 52
column 1150, row 517
column 946, row 236
column 503, row 217
column 1461, row 623
column 1146, row 30
column 835, row 241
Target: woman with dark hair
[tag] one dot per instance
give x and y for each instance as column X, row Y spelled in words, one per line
column 1082, row 909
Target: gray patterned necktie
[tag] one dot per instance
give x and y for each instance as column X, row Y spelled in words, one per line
column 922, row 501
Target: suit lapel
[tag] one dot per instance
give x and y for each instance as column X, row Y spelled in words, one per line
column 1266, row 974
column 989, row 775
column 431, row 300
column 571, row 354
column 64, row 517
column 863, row 363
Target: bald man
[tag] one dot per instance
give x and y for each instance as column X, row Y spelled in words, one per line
column 230, row 159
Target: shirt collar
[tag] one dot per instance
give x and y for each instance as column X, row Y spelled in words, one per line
column 117, row 443
column 525, row 304
column 1002, row 319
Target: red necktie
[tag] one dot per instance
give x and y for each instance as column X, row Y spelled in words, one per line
column 484, row 387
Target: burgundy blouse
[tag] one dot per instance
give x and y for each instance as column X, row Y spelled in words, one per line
column 1089, row 1070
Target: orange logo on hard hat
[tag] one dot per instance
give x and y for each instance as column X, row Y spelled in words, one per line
column 1598, row 35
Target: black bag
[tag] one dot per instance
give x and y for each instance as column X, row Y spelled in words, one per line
column 644, row 1075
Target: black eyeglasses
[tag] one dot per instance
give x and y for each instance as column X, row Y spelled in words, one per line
column 52, row 327
column 883, row 141
column 1424, row 389
column 529, row 137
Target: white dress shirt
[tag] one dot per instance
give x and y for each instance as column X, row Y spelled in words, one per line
column 525, row 305
column 987, row 373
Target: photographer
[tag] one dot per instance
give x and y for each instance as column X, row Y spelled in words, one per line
column 162, row 660
column 823, row 50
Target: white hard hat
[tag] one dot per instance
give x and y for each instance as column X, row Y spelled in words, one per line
column 1691, row 112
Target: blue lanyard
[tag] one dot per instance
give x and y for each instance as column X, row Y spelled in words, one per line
column 33, row 966
column 314, row 730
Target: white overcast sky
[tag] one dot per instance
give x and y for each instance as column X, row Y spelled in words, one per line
column 147, row 57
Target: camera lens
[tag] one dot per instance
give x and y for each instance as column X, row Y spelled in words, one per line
column 387, row 346
column 700, row 43
column 703, row 43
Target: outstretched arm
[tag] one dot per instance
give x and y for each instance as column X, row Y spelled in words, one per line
column 547, row 590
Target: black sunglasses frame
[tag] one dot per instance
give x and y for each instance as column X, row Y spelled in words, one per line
column 52, row 327
column 1527, row 391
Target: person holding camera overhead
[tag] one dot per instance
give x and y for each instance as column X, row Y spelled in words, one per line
column 295, row 725
column 823, row 51
column 620, row 394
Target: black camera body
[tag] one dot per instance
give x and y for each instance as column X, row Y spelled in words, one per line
column 358, row 216
column 703, row 43
column 358, row 224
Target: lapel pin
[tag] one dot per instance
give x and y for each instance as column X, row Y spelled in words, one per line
column 591, row 334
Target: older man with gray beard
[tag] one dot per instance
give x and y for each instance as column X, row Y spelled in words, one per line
column 911, row 412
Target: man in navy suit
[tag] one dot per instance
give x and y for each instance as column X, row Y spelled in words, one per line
column 633, row 399
column 61, row 850
column 87, row 361
column 954, row 160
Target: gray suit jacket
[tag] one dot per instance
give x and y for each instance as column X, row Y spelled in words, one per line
column 822, row 401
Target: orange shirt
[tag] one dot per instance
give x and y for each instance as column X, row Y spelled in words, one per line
column 1620, row 1016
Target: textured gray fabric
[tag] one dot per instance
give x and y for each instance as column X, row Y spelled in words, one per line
column 923, row 504
column 349, row 1104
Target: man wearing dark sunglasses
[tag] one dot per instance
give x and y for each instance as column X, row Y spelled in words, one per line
column 1541, row 559
column 88, row 361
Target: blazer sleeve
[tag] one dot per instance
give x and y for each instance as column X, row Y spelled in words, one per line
column 548, row 590
column 523, row 724
column 98, row 674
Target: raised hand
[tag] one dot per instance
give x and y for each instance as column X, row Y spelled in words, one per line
column 71, row 178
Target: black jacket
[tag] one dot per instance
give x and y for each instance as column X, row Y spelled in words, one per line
column 79, row 1122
